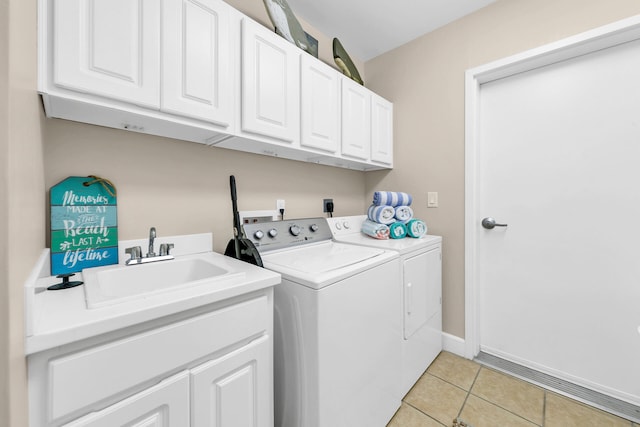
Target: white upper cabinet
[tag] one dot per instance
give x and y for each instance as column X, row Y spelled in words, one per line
column 199, row 70
column 356, row 120
column 109, row 48
column 367, row 125
column 270, row 84
column 381, row 130
column 197, row 60
column 320, row 105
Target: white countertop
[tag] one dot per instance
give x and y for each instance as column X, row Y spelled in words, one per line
column 55, row 318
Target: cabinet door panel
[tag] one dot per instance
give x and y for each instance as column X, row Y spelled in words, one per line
column 356, row 120
column 109, row 48
column 381, row 130
column 320, row 101
column 197, row 60
column 422, row 290
column 270, row 84
column 234, row 390
column 163, row 405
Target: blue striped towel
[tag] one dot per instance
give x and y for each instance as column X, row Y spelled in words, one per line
column 403, row 213
column 391, row 198
column 381, row 214
column 374, row 229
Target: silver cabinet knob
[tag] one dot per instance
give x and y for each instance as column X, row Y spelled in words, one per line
column 489, row 223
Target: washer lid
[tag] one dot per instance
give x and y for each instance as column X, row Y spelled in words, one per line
column 322, row 258
column 324, row 263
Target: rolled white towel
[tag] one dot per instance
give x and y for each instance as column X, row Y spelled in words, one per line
column 397, row 230
column 391, row 198
column 403, row 213
column 416, row 228
column 375, row 230
column 381, row 214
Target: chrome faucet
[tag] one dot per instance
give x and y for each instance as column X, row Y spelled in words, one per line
column 136, row 253
column 152, row 238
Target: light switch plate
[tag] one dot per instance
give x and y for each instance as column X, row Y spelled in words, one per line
column 432, row 199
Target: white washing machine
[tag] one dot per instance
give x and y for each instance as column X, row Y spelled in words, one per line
column 421, row 281
column 337, row 333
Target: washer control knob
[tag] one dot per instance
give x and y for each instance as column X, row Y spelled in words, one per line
column 338, row 226
column 347, row 225
column 258, row 234
column 294, row 230
column 273, row 232
column 313, row 227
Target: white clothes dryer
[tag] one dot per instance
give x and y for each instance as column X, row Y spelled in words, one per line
column 336, row 329
column 421, row 281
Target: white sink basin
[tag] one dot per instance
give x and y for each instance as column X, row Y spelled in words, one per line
column 119, row 283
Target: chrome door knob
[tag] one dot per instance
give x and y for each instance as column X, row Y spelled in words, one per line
column 489, row 223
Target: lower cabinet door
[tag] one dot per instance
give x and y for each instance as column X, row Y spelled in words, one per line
column 234, row 390
column 165, row 404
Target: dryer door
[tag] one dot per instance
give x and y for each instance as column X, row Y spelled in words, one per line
column 422, row 289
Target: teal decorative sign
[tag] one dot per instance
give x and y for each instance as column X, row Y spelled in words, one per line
column 84, row 222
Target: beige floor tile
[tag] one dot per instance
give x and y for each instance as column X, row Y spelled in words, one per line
column 408, row 416
column 480, row 413
column 563, row 412
column 512, row 394
column 454, row 369
column 436, row 398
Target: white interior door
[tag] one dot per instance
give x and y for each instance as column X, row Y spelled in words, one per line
column 558, row 161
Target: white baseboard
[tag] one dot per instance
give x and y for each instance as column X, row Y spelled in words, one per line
column 453, row 344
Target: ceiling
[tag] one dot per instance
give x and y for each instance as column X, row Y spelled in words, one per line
column 368, row 28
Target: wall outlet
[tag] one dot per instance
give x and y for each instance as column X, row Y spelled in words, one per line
column 327, row 205
column 279, row 204
column 250, row 217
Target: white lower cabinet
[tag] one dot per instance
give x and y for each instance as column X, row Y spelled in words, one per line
column 233, row 390
column 163, row 405
column 229, row 391
column 210, row 368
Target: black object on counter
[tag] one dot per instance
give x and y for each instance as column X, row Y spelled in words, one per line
column 240, row 247
column 65, row 284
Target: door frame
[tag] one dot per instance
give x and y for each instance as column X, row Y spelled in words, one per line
column 597, row 39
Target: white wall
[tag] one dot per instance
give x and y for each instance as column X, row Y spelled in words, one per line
column 22, row 205
column 425, row 80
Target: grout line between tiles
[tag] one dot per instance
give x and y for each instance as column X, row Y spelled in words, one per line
column 544, row 408
column 469, row 391
column 509, row 411
column 424, row 413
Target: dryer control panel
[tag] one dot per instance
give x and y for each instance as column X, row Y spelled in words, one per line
column 288, row 233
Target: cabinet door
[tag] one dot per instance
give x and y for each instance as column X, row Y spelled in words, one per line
column 320, row 101
column 197, row 62
column 109, row 48
column 422, row 289
column 381, row 130
column 163, row 405
column 356, row 120
column 235, row 390
column 270, row 84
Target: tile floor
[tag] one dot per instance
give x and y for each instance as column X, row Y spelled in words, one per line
column 482, row 397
